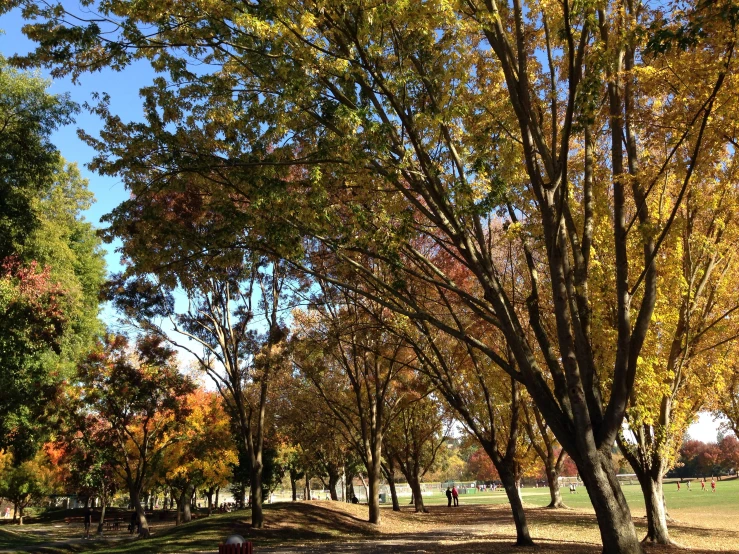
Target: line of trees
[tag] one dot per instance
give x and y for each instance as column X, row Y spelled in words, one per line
column 524, row 214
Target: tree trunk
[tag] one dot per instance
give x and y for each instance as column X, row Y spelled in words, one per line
column 415, row 484
column 373, row 498
column 614, row 517
column 554, row 492
column 179, row 500
column 218, row 492
column 103, row 505
column 186, row 508
column 294, row 486
column 350, row 493
column 333, row 480
column 15, row 512
column 140, row 513
column 657, row 531
column 307, row 487
column 393, row 492
column 257, row 515
column 510, row 484
column 20, row 514
column 209, row 496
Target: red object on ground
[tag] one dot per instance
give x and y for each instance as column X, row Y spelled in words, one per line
column 245, row 548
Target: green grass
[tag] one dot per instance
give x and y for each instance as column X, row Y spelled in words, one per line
column 309, row 523
column 725, row 499
column 11, row 538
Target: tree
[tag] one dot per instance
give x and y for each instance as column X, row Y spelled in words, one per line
column 353, row 362
column 415, row 436
column 544, row 445
column 444, row 118
column 232, row 325
column 139, row 397
column 50, row 289
column 25, row 483
column 681, row 368
column 727, row 403
column 203, row 455
column 87, row 453
column 29, row 116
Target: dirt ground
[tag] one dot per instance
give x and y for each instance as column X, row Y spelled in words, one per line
column 471, row 529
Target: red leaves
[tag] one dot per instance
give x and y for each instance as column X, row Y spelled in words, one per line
column 38, row 301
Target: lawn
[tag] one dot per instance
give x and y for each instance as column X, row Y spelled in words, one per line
column 705, row 522
column 725, row 499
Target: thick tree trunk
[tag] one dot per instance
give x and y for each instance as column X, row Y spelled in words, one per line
column 209, row 496
column 140, row 513
column 20, row 514
column 611, row 510
column 510, row 484
column 373, row 498
column 179, row 500
column 654, row 501
column 294, row 486
column 257, row 515
column 186, row 510
column 415, row 484
column 554, row 492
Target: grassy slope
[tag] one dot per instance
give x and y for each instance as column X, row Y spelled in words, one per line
column 10, row 538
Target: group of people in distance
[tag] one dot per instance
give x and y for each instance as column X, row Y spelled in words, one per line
column 703, row 484
column 452, row 495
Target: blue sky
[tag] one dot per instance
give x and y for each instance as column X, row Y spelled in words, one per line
column 123, row 88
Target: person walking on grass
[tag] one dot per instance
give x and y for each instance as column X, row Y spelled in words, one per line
column 678, row 486
column 449, row 497
column 703, row 484
column 713, row 484
column 455, row 496
column 88, row 522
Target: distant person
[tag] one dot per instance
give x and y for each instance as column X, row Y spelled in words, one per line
column 449, row 497
column 455, row 496
column 573, row 488
column 88, row 522
column 678, row 486
column 713, row 484
column 687, row 483
column 703, row 484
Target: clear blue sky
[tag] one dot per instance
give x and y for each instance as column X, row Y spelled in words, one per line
column 123, row 88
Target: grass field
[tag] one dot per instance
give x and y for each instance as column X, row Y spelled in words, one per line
column 704, row 522
column 726, row 497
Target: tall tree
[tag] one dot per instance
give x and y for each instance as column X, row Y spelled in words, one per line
column 232, row 325
column 414, row 438
column 29, row 114
column 440, row 116
column 139, row 397
column 353, row 362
